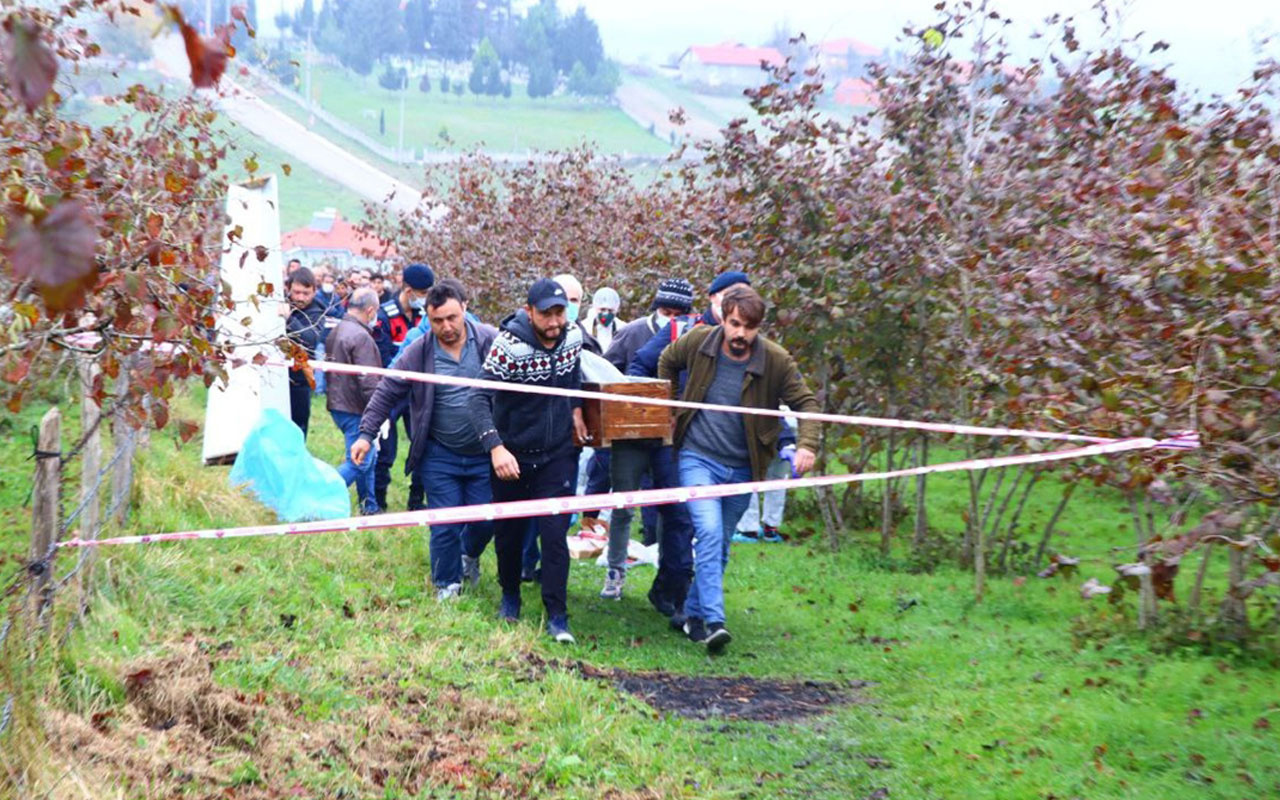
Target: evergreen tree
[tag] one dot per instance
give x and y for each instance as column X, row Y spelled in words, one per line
column 451, row 29
column 417, row 26
column 542, row 77
column 578, row 39
column 305, row 19
column 486, row 72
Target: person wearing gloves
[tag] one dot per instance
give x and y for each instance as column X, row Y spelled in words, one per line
column 602, row 320
column 529, row 439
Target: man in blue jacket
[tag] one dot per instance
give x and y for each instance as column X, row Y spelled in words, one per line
column 529, row 438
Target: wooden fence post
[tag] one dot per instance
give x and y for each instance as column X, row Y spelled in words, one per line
column 44, row 503
column 124, row 440
column 91, row 481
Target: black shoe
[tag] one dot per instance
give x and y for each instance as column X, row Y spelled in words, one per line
column 531, row 575
column 717, row 637
column 695, row 630
column 660, row 601
column 678, row 620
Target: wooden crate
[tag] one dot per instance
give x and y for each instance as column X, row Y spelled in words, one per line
column 609, row 420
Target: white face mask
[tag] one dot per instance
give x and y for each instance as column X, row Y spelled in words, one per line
column 418, row 303
column 328, row 288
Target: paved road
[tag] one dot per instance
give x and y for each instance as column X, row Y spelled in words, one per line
column 260, row 118
column 647, row 105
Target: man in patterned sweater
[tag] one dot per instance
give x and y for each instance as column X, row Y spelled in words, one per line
column 529, row 438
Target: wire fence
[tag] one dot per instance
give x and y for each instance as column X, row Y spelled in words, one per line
column 101, row 502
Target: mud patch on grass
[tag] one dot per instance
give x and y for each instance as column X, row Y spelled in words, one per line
column 721, row 697
column 181, row 732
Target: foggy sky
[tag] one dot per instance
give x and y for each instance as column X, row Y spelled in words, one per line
column 1214, row 44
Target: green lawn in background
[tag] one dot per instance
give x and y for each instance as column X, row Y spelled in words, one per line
column 337, row 637
column 498, row 124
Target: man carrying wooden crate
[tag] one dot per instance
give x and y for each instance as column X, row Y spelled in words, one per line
column 530, row 441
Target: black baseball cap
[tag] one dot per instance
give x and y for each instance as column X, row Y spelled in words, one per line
column 546, row 293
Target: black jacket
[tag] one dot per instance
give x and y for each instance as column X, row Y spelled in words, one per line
column 534, row 427
column 305, row 326
column 418, row 356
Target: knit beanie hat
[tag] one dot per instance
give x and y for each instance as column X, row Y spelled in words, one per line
column 675, row 293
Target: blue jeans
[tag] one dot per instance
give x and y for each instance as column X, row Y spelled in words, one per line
column 362, row 475
column 714, row 521
column 453, row 479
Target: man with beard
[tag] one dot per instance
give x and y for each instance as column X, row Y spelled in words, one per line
column 304, row 325
column 529, row 438
column 729, row 364
column 445, row 455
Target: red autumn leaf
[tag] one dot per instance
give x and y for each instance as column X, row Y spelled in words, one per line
column 17, row 371
column 15, row 402
column 31, row 66
column 187, row 429
column 207, row 55
column 56, row 254
column 155, row 224
column 159, row 413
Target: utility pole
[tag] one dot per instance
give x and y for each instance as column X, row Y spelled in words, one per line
column 307, row 74
column 404, row 89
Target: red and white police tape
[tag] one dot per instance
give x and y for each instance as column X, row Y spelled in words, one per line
column 840, row 419
column 579, row 503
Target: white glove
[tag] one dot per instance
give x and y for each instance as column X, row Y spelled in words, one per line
column 385, row 430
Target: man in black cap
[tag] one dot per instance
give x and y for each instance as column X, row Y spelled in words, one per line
column 396, row 317
column 529, row 438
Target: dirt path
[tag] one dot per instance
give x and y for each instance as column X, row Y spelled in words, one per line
column 258, row 117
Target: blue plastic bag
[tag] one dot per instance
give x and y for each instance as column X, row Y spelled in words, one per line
column 275, row 467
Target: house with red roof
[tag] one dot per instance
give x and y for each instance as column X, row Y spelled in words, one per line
column 331, row 239
column 844, row 56
column 727, row 64
column 856, row 92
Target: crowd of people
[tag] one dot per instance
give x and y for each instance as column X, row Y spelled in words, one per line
column 467, row 446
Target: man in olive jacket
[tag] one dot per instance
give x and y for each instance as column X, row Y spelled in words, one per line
column 729, row 364
column 444, row 451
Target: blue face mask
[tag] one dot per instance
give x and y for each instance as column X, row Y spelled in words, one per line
column 571, row 312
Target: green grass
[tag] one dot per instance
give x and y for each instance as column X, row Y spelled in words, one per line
column 512, row 124
column 988, row 700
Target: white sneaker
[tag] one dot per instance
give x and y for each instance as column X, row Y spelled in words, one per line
column 449, row 592
column 614, row 580
column 471, row 571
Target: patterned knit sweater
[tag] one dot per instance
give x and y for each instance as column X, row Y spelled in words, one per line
column 529, row 425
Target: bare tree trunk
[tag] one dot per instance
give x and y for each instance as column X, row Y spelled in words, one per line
column 1146, row 589
column 1234, row 611
column 886, row 498
column 1013, row 522
column 1053, row 522
column 980, row 545
column 1193, row 601
column 921, row 515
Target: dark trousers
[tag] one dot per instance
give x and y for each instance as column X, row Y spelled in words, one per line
column 454, row 479
column 538, row 480
column 599, row 481
column 631, row 461
column 387, row 449
column 300, row 404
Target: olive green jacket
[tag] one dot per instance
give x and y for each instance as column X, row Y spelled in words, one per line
column 771, row 379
